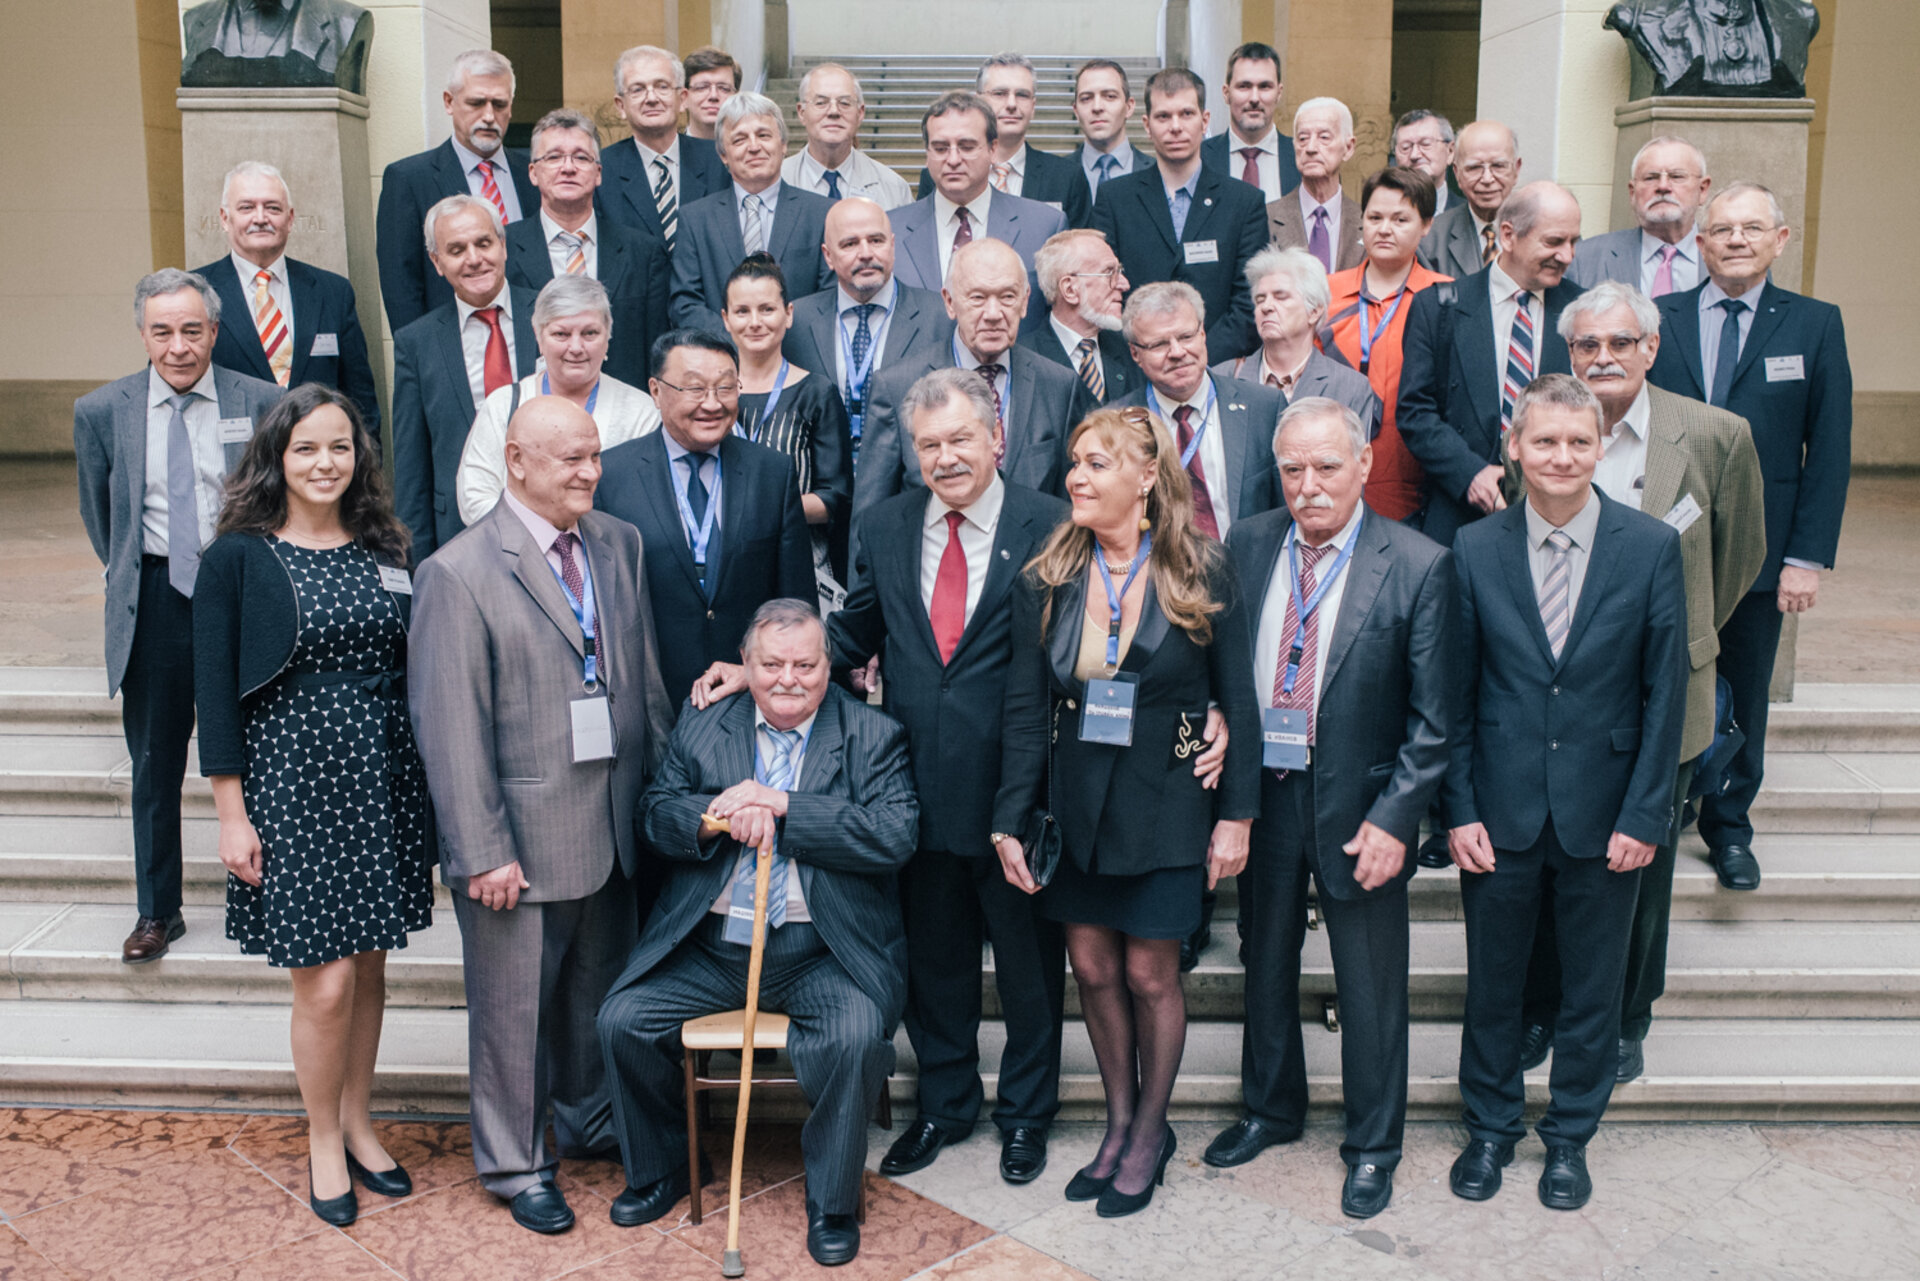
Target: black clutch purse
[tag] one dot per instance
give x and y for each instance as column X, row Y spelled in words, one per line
column 1042, row 840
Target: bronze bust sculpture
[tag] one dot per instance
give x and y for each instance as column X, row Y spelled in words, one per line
column 1721, row 48
column 276, row 43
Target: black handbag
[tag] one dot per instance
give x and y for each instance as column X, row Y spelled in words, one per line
column 1043, row 843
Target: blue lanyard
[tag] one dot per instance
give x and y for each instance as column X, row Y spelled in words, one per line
column 857, row 375
column 1206, row 416
column 593, row 397
column 779, row 385
column 1113, row 601
column 697, row 537
column 1303, row 610
column 585, row 612
column 1367, row 340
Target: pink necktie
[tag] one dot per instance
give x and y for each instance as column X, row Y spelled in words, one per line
column 1663, row 277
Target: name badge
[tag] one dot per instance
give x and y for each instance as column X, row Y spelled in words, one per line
column 1283, row 738
column 1106, row 715
column 1684, row 513
column 1199, row 251
column 1786, row 369
column 234, row 431
column 397, row 581
column 592, row 729
column 326, row 344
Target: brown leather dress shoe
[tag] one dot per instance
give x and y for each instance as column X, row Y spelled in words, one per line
column 150, row 937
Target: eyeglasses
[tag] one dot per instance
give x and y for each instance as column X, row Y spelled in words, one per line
column 662, row 89
column 1106, row 275
column 1720, row 233
column 965, row 147
column 1618, row 344
column 562, row 159
column 699, row 392
column 1187, row 339
column 1410, row 145
column 824, row 103
column 1498, row 168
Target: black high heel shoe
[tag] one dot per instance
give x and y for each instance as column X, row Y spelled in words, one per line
column 337, row 1210
column 395, row 1183
column 1115, row 1204
column 1088, row 1187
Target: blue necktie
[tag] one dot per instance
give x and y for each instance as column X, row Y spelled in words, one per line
column 775, row 772
column 1182, row 202
column 833, row 183
column 1729, row 351
column 697, row 499
column 1104, row 168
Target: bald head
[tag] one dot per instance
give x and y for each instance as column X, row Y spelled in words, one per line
column 1486, row 163
column 553, row 459
column 1539, row 226
column 859, row 246
column 986, row 295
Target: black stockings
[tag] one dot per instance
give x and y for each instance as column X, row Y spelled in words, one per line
column 1136, row 1016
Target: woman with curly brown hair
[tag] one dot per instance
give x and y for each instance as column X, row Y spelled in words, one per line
column 300, row 644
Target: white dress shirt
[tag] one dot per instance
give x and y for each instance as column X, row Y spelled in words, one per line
column 1212, row 455
column 1540, row 555
column 1016, row 170
column 796, row 896
column 474, row 333
column 1506, row 295
column 1272, row 632
column 277, row 289
column 1686, row 262
column 202, row 412
column 558, row 250
column 878, row 319
column 1071, row 341
column 946, row 222
column 470, row 162
column 1090, row 157
column 860, row 175
column 1268, row 160
column 976, row 542
column 1622, row 471
column 964, row 358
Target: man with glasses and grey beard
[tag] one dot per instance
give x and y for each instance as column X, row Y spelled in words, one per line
column 1660, row 253
column 1083, row 283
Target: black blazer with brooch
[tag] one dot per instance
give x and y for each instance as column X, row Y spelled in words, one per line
column 760, row 536
column 1125, row 811
column 323, row 306
column 952, row 710
column 1386, row 705
column 632, row 265
column 246, row 621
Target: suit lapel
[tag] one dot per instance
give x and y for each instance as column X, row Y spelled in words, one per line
column 453, row 179
column 656, row 475
column 903, row 562
column 302, row 289
column 1599, row 573
column 1554, row 356
column 1666, row 457
column 1002, row 569
column 607, row 588
column 613, row 260
column 1069, row 620
column 825, row 746
column 902, row 330
column 455, row 358
column 1149, row 632
column 1153, row 202
column 237, row 312
column 1366, row 571
column 821, row 323
column 526, row 349
column 1003, row 219
column 130, row 440
column 735, row 505
column 731, row 243
column 531, row 568
column 1023, row 422
column 1769, row 314
column 784, row 220
column 1233, row 434
column 1513, row 560
column 919, row 239
column 636, row 186
column 1681, row 324
column 1466, row 245
column 735, row 749
column 1478, row 355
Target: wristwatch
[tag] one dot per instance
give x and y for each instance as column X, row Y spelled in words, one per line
column 997, row 837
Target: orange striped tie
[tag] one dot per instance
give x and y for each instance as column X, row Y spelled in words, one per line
column 491, row 189
column 272, row 327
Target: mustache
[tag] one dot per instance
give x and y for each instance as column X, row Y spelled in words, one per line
column 955, row 469
column 1315, row 502
column 1605, row 369
column 788, row 691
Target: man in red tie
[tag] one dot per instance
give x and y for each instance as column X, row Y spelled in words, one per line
column 1252, row 149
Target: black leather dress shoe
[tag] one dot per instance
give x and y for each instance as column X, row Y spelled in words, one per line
column 1023, row 1154
column 1534, row 1044
column 1632, row 1061
column 1367, row 1191
column 1564, row 1184
column 1476, row 1171
column 1242, row 1141
column 542, row 1208
column 635, row 1206
column 395, row 1182
column 337, row 1210
column 913, row 1150
column 1736, row 867
column 1434, row 852
column 832, row 1239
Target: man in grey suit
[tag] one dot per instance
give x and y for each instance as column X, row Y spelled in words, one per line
column 1660, row 253
column 154, row 449
column 1290, row 302
column 1316, row 215
column 1486, row 163
column 797, row 761
column 537, row 703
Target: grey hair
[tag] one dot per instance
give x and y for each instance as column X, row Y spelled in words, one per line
column 1339, row 108
column 1741, row 189
column 638, row 52
column 1605, row 296
column 479, row 62
column 1302, row 269
column 806, row 81
column 1161, row 298
column 454, row 204
column 171, row 280
column 744, row 104
column 1019, row 60
column 1060, row 255
column 781, row 614
column 1561, row 390
column 1414, row 117
column 1315, row 408
column 1522, row 207
column 253, row 169
column 1669, row 140
column 569, row 296
column 941, row 387
column 565, row 118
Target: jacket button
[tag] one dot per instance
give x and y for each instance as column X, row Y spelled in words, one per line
column 1556, row 689
column 1071, row 705
column 945, row 686
column 709, row 616
column 1553, row 745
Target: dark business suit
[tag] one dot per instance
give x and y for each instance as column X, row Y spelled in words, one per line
column 323, row 307
column 409, row 286
column 954, row 895
column 632, row 265
column 1141, row 160
column 1121, row 376
column 433, row 410
column 1802, row 420
column 1217, row 153
column 1450, row 376
column 1554, row 756
column 1049, row 179
column 919, row 323
column 709, row 247
column 1025, row 225
column 1248, row 414
column 1226, row 213
column 1044, row 403
column 1451, row 246
column 760, row 548
column 626, row 187
column 1380, row 751
column 850, row 825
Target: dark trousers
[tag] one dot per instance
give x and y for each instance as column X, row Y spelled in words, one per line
column 1368, row 936
column 1646, row 976
column 838, row 1041
column 950, row 905
column 1748, row 644
column 1594, row 909
column 156, row 709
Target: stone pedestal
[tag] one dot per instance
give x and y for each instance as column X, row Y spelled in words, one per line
column 1761, row 140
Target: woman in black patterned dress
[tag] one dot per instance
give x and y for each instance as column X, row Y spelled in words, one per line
column 300, row 646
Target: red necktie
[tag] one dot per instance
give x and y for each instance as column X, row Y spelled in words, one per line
column 948, row 613
column 569, row 567
column 491, row 189
column 498, row 370
column 1202, row 500
column 1250, row 173
column 963, row 234
column 1309, row 642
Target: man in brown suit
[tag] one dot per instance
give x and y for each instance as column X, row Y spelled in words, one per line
column 1316, row 215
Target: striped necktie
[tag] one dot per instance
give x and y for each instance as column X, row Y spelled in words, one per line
column 272, row 327
column 1519, row 371
column 1301, row 699
column 664, row 202
column 491, row 188
column 575, row 245
column 1090, row 370
column 1002, row 174
column 752, row 230
column 1555, row 593
column 774, row 768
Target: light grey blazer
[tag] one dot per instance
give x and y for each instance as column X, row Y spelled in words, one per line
column 1451, row 246
column 495, row 660
column 1323, row 376
column 110, row 444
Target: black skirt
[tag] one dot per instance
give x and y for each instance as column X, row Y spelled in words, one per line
column 1161, row 904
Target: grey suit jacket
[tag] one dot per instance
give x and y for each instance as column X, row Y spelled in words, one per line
column 1614, row 256
column 1287, row 227
column 919, row 322
column 1451, row 246
column 1248, row 413
column 1322, row 376
column 1024, row 224
column 110, row 446
column 494, row 663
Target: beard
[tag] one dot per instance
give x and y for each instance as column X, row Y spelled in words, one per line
column 1106, row 323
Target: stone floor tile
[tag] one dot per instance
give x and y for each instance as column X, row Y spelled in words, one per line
column 21, row 1262
column 326, row 1254
column 436, row 1154
column 1805, row 1223
column 1003, row 1259
column 1363, row 1254
column 464, row 1231
column 966, row 1176
column 772, row 1157
column 652, row 1257
column 1305, row 1176
column 48, row 1155
column 1883, row 1157
column 1681, row 1258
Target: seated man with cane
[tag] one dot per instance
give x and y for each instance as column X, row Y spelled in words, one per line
column 827, row 778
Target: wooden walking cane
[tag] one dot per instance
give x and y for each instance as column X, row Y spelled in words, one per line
column 730, row 1264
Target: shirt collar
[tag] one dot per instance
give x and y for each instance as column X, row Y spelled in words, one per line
column 247, row 271
column 1712, row 295
column 983, row 515
column 503, row 300
column 1341, row 539
column 804, row 729
column 1293, row 377
column 768, row 198
column 1308, row 204
column 542, row 529
column 159, row 390
column 1502, row 286
column 963, row 357
column 1190, row 186
column 1019, row 162
column 671, row 154
column 1637, row 417
column 1122, row 153
column 1198, row 400
column 1651, row 245
column 470, row 158
column 811, row 168
column 979, row 209
column 677, row 451
column 1270, row 143
column 1069, row 339
column 884, row 300
column 1580, row 529
column 589, row 230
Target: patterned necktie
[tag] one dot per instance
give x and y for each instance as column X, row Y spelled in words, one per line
column 1301, row 700
column 1103, row 170
column 272, row 328
column 496, row 368
column 948, row 610
column 1002, row 174
column 1487, row 244
column 774, row 768
column 1319, row 244
column 832, row 177
column 1554, row 594
column 664, row 202
column 991, row 371
column 1519, row 359
column 183, row 501
column 1663, row 276
column 576, row 250
column 753, row 232
column 491, row 189
column 569, row 567
column 1182, row 202
column 1089, row 362
column 1250, row 171
column 1203, row 517
column 862, row 339
column 1728, row 354
column 963, row 234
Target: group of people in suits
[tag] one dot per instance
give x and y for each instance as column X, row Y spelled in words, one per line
column 1185, row 517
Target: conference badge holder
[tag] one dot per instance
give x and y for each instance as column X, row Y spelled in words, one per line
column 1283, row 738
column 1106, row 713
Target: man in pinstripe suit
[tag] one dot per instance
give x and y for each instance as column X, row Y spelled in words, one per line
column 827, row 778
